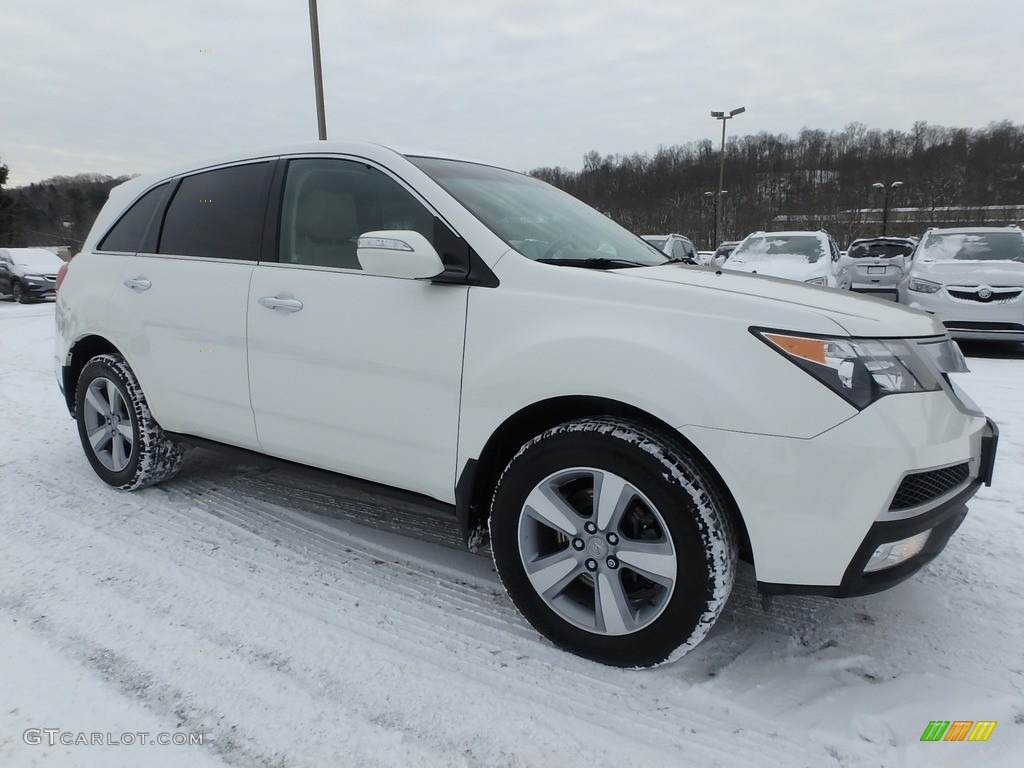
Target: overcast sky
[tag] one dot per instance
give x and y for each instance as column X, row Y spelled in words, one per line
column 129, row 86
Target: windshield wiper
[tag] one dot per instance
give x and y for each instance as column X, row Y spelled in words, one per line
column 597, row 262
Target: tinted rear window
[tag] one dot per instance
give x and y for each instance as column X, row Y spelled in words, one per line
column 884, row 250
column 127, row 234
column 217, row 214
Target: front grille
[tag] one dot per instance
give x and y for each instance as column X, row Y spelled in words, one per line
column 968, row 325
column 921, row 487
column 984, row 295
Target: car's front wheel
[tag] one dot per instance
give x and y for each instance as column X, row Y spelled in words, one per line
column 18, row 293
column 123, row 442
column 613, row 541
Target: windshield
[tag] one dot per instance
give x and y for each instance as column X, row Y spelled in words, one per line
column 541, row 222
column 765, row 248
column 882, row 250
column 37, row 259
column 977, row 246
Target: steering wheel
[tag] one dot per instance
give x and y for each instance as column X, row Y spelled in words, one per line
column 556, row 247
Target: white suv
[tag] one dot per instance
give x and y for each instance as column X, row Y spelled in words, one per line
column 619, row 428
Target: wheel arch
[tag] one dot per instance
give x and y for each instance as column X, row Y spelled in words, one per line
column 479, row 476
column 80, row 353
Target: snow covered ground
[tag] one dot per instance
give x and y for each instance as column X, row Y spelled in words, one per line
column 243, row 603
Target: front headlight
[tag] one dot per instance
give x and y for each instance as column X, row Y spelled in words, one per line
column 859, row 370
column 923, row 286
column 817, row 281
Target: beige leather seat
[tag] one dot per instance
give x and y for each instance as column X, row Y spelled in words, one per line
column 326, row 229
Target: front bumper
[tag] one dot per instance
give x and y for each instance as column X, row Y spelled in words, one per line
column 972, row 320
column 809, row 505
column 942, row 521
column 39, row 289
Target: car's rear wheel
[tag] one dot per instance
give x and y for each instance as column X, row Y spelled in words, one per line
column 123, row 442
column 613, row 541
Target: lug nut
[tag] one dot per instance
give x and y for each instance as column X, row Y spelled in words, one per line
column 612, row 563
column 590, row 528
column 613, row 539
column 577, row 544
column 591, row 565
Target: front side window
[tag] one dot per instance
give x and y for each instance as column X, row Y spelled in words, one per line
column 329, row 203
column 217, row 214
column 539, row 221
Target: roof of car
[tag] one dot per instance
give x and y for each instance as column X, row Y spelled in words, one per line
column 979, row 230
column 27, row 251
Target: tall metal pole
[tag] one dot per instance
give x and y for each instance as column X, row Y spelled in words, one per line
column 885, row 212
column 318, row 76
column 885, row 202
column 721, row 168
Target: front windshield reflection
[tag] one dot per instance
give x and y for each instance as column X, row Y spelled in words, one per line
column 539, row 221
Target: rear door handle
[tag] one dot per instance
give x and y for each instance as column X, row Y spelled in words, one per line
column 138, row 283
column 272, row 302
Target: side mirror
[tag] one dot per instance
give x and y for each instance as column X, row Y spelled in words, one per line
column 398, row 253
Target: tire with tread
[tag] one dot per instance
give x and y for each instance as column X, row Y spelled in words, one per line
column 633, row 577
column 117, row 410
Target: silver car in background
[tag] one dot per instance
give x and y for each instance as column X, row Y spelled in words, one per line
column 875, row 265
column 970, row 278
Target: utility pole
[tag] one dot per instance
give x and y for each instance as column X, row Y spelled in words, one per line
column 318, row 75
column 721, row 168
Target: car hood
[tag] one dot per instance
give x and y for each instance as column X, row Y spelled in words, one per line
column 970, row 272
column 787, row 269
column 858, row 315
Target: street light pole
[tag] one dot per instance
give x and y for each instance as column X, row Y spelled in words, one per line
column 318, row 76
column 721, row 166
column 885, row 201
column 713, row 201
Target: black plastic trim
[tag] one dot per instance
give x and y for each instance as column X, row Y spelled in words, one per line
column 464, row 499
column 272, row 216
column 989, row 444
column 263, row 459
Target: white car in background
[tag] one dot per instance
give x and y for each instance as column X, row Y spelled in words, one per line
column 677, row 247
column 619, row 429
column 802, row 256
column 876, row 265
column 972, row 279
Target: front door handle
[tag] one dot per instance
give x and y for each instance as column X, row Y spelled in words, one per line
column 272, row 302
column 138, row 283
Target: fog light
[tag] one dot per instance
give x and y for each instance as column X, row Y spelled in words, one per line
column 895, row 552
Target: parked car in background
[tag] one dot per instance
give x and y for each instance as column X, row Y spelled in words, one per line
column 722, row 253
column 807, row 257
column 677, row 247
column 619, row 429
column 971, row 279
column 28, row 274
column 875, row 265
